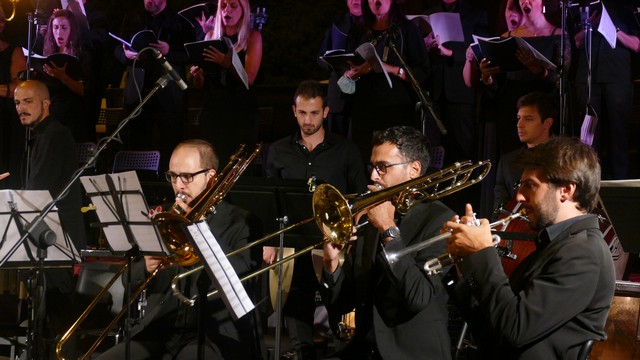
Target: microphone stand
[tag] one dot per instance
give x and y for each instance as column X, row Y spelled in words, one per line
column 162, row 82
column 425, row 102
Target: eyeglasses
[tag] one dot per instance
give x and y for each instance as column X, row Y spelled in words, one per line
column 381, row 168
column 184, row 177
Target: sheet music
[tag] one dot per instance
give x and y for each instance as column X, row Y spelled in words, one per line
column 29, row 203
column 607, row 28
column 220, row 270
column 444, row 24
column 135, row 208
column 368, row 52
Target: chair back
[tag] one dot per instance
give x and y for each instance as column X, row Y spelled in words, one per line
column 136, row 160
column 436, row 153
column 85, row 151
column 585, row 349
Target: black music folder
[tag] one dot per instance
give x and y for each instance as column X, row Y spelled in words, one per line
column 502, row 52
column 619, row 198
column 195, row 50
column 74, row 68
column 139, row 40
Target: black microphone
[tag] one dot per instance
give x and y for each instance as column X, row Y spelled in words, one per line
column 168, row 69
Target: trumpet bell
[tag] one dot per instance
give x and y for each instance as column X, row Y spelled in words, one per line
column 332, row 213
column 175, row 239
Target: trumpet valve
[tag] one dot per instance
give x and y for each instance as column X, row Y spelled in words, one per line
column 435, row 266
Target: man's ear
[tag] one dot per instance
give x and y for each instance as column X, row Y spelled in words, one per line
column 567, row 190
column 415, row 169
column 293, row 108
column 325, row 112
column 548, row 124
column 46, row 103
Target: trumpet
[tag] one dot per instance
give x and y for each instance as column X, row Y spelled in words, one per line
column 435, row 265
column 334, row 212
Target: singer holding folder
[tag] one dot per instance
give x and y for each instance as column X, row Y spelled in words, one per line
column 167, row 108
column 229, row 113
column 374, row 103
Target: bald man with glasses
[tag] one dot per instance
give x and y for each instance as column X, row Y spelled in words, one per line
column 169, row 328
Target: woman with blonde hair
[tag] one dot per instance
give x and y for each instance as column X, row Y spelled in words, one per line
column 229, row 113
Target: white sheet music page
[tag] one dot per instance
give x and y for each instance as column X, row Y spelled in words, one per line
column 220, row 270
column 607, row 28
column 129, row 192
column 29, row 204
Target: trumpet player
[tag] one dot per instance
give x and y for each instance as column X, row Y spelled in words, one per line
column 169, row 329
column 400, row 312
column 558, row 298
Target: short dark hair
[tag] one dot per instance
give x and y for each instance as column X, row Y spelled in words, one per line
column 310, row 89
column 546, row 106
column 411, row 143
column 563, row 160
column 208, row 155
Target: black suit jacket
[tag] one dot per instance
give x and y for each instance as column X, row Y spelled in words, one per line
column 446, row 72
column 558, row 297
column 165, row 315
column 399, row 309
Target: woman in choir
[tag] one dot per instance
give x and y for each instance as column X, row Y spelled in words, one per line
column 375, row 104
column 509, row 86
column 65, row 82
column 229, row 114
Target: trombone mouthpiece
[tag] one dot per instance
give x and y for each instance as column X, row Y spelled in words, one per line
column 182, row 197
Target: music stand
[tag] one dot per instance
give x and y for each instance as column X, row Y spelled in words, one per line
column 19, row 208
column 272, row 200
column 123, row 214
column 618, row 197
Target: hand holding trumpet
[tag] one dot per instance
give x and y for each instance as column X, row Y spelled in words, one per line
column 465, row 239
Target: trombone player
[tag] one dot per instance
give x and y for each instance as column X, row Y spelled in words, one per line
column 558, row 298
column 168, row 330
column 401, row 313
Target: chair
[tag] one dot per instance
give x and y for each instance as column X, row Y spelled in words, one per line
column 109, row 118
column 437, row 157
column 136, row 160
column 585, row 349
column 85, row 151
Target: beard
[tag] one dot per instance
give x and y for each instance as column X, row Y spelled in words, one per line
column 545, row 212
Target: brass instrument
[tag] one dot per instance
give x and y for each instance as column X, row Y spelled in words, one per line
column 435, row 266
column 334, row 212
column 168, row 224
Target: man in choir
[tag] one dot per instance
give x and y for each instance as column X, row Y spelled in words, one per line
column 455, row 102
column 558, row 298
column 610, row 96
column 401, row 313
column 166, row 110
column 311, row 151
column 169, row 327
column 536, row 116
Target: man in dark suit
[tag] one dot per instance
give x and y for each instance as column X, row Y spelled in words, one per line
column 558, row 298
column 454, row 100
column 401, row 313
column 167, row 108
column 169, row 328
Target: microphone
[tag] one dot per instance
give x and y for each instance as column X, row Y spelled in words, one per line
column 168, row 69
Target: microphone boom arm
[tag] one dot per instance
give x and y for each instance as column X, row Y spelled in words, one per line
column 425, row 102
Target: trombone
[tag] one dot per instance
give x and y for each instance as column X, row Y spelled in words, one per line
column 180, row 249
column 334, row 212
